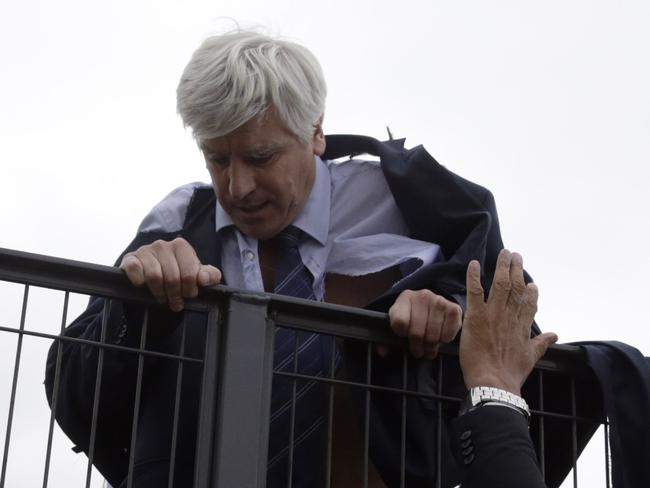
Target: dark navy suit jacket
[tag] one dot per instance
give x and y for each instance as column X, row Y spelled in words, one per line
column 438, row 206
column 493, row 449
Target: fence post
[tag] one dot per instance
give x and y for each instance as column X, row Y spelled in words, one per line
column 239, row 362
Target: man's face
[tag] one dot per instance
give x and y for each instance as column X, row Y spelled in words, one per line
column 262, row 174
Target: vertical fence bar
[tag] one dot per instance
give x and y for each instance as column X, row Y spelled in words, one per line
column 574, row 432
column 402, row 461
column 97, row 394
column 14, row 386
column 608, row 481
column 208, row 402
column 541, row 445
column 138, row 394
column 55, row 392
column 366, row 417
column 246, row 357
column 177, row 406
column 292, row 414
column 439, row 425
column 330, row 418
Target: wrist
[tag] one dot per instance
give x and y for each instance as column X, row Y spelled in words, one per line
column 494, row 382
column 480, row 396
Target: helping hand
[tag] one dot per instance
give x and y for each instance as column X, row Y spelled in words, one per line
column 495, row 345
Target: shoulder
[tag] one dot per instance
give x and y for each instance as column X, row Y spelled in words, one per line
column 168, row 215
column 353, row 168
column 361, row 199
column 355, row 181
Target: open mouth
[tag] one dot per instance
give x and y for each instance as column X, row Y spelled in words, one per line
column 252, row 209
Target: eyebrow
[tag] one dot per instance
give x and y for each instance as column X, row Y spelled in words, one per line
column 260, row 149
column 205, row 149
column 263, row 149
column 207, row 153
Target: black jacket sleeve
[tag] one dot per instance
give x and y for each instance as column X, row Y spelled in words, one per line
column 71, row 374
column 493, row 449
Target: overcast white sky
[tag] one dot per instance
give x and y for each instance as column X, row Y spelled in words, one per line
column 545, row 103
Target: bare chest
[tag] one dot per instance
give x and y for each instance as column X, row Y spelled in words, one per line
column 354, row 291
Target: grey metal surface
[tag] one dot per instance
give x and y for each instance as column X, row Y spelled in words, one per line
column 337, row 320
column 208, row 403
column 14, row 384
column 244, row 398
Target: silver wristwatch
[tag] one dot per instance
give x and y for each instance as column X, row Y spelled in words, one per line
column 479, row 396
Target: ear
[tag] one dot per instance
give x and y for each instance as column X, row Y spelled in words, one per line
column 318, row 140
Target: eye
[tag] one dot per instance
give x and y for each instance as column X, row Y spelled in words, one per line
column 261, row 159
column 217, row 160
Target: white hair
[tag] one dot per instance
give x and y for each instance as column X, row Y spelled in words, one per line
column 234, row 77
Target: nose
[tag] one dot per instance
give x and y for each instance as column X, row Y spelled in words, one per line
column 242, row 180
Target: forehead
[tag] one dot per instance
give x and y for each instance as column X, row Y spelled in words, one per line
column 261, row 132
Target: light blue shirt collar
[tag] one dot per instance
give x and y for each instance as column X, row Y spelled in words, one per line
column 354, row 224
column 314, row 219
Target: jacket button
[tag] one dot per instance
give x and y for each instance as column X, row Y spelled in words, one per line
column 468, row 459
column 466, row 435
column 467, row 450
column 466, row 443
column 122, row 332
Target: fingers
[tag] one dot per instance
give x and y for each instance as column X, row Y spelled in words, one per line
column 423, row 319
column 517, row 283
column 171, row 270
column 209, row 275
column 399, row 314
column 508, row 286
column 409, row 316
column 188, row 265
column 475, row 292
column 435, row 323
column 426, row 319
column 528, row 308
column 169, row 283
column 133, row 268
column 541, row 343
column 501, row 284
column 153, row 273
column 495, row 347
column 453, row 322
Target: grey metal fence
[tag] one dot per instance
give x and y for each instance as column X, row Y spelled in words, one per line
column 236, row 369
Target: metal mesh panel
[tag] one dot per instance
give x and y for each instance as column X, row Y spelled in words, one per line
column 364, row 392
column 445, row 392
column 20, row 455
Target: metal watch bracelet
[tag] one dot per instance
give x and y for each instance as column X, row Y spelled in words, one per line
column 479, row 396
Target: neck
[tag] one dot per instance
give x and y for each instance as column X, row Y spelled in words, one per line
column 268, row 263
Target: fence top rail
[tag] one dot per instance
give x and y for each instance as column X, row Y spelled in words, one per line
column 108, row 281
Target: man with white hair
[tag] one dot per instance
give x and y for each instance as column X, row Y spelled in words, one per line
column 280, row 217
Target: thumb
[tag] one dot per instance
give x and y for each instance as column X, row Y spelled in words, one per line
column 209, row 275
column 542, row 342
